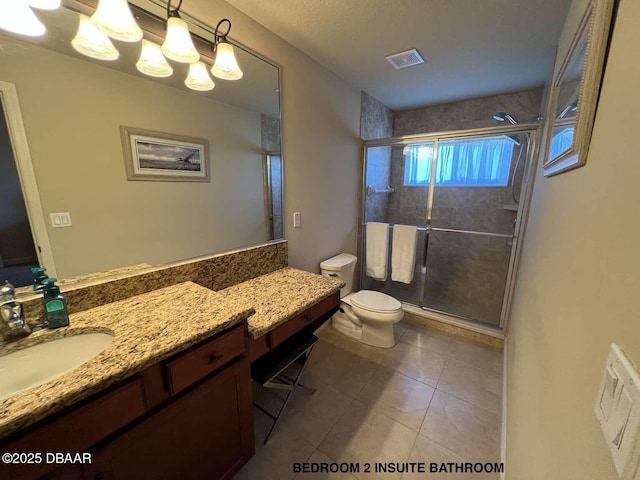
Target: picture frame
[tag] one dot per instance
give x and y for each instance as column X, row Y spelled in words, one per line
column 164, row 157
column 575, row 89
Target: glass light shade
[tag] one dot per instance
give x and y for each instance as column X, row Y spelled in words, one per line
column 198, row 78
column 177, row 44
column 114, row 18
column 226, row 66
column 17, row 17
column 92, row 42
column 45, row 4
column 152, row 62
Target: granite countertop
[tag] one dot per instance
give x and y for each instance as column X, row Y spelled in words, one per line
column 147, row 329
column 280, row 296
column 85, row 280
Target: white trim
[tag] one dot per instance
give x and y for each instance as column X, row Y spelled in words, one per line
column 503, row 434
column 22, row 155
column 457, row 322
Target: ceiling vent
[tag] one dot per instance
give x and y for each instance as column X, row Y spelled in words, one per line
column 405, row 59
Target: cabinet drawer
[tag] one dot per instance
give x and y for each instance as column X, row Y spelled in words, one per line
column 305, row 318
column 191, row 367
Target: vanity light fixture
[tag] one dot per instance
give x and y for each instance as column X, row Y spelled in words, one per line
column 226, row 66
column 198, row 78
column 114, row 18
column 45, row 4
column 178, row 44
column 152, row 61
column 92, row 39
column 17, row 17
column 92, row 42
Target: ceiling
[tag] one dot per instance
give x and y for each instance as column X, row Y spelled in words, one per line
column 472, row 48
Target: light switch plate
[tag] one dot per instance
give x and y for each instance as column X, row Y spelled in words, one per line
column 296, row 219
column 618, row 411
column 59, row 220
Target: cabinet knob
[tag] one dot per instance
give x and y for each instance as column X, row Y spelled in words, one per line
column 308, row 317
column 214, row 358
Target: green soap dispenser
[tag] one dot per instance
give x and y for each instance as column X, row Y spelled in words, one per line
column 55, row 306
column 39, row 276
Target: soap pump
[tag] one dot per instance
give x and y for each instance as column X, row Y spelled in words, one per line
column 55, row 305
column 39, row 276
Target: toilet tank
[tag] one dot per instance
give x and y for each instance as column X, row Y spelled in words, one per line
column 343, row 267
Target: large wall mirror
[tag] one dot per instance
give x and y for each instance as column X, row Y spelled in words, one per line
column 574, row 96
column 71, row 109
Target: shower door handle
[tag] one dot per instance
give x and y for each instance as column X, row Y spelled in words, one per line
column 426, row 247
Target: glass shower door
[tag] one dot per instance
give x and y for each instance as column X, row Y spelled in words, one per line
column 475, row 187
column 396, row 196
column 273, row 195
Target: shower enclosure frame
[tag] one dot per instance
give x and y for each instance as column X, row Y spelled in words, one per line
column 534, row 131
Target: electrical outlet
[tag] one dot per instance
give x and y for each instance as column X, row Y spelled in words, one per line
column 618, row 411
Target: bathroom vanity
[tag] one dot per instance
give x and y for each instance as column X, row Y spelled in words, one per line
column 171, row 396
column 285, row 301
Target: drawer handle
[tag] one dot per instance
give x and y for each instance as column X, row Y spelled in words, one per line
column 308, row 317
column 214, row 358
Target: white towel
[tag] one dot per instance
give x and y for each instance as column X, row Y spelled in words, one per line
column 403, row 255
column 377, row 242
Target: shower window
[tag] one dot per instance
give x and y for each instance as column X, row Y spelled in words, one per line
column 466, row 162
column 561, row 141
column 417, row 164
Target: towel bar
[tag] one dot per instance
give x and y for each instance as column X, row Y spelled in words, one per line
column 371, row 190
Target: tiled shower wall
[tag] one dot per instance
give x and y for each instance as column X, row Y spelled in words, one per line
column 463, row 208
column 270, row 133
column 465, row 273
column 376, row 122
column 468, row 114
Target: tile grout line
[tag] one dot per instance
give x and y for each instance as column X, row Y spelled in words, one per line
column 470, row 403
column 334, row 424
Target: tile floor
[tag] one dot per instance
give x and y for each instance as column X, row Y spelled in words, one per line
column 431, row 398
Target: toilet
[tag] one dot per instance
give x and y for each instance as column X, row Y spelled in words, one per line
column 367, row 316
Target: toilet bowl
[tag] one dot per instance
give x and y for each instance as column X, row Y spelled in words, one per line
column 367, row 316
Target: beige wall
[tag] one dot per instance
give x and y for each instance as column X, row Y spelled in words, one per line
column 577, row 287
column 320, row 121
column 73, row 110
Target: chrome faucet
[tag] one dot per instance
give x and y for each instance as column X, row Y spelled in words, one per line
column 12, row 323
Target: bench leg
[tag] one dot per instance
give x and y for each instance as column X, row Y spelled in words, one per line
column 291, row 388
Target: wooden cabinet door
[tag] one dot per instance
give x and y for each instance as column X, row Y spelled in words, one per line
column 207, row 434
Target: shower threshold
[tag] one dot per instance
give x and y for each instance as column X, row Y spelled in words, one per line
column 454, row 320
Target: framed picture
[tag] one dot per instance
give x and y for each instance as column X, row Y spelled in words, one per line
column 164, row 157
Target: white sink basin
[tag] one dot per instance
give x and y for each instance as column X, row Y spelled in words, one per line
column 41, row 363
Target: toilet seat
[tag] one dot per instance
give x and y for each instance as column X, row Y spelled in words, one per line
column 377, row 302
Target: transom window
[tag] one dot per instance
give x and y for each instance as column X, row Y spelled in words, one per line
column 468, row 162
